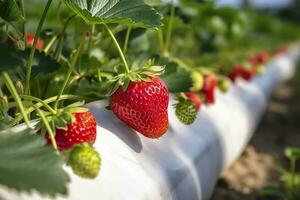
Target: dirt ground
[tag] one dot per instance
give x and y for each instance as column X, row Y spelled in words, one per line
column 279, row 128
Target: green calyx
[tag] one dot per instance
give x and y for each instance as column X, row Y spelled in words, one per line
column 123, row 78
column 63, row 117
column 3, row 109
column 84, row 160
column 185, row 111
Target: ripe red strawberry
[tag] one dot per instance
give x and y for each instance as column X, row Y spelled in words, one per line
column 83, row 129
column 143, row 106
column 237, row 71
column 39, row 45
column 210, row 84
column 194, row 97
column 263, row 57
column 248, row 74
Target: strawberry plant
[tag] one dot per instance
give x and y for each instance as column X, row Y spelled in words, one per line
column 129, row 53
column 290, row 178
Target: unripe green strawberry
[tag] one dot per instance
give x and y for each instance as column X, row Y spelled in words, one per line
column 198, row 81
column 260, row 69
column 84, row 160
column 186, row 111
column 224, row 85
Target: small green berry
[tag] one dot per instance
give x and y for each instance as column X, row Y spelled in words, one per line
column 186, row 111
column 224, row 85
column 84, row 160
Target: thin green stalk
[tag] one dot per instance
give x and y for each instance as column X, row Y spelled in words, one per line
column 47, row 101
column 160, row 39
column 14, row 93
column 73, row 63
column 50, row 44
column 1, row 92
column 15, row 105
column 47, row 125
column 118, row 48
column 22, row 5
column 91, row 41
column 61, row 38
column 293, row 172
column 99, row 75
column 39, row 101
column 32, row 52
column 14, row 27
column 170, row 29
column 127, row 39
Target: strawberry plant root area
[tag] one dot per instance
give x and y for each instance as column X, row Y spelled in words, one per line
column 254, row 170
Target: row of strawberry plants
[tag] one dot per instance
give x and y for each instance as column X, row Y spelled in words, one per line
column 127, row 51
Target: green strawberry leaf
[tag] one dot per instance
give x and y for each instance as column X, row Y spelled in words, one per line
column 26, row 162
column 10, row 58
column 177, row 78
column 10, row 11
column 115, row 11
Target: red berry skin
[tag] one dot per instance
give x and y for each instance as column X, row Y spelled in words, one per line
column 237, row 72
column 82, row 130
column 194, row 97
column 210, row 96
column 263, row 57
column 248, row 74
column 143, row 107
column 40, row 42
column 210, row 84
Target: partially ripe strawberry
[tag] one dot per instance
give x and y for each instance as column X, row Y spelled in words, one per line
column 143, row 106
column 195, row 98
column 210, row 84
column 253, row 59
column 84, row 161
column 186, row 111
column 39, row 45
column 83, row 129
column 263, row 57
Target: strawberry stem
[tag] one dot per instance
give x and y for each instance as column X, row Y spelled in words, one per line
column 170, row 29
column 91, row 41
column 14, row 93
column 127, row 39
column 118, row 48
column 47, row 125
column 22, row 5
column 160, row 40
column 50, row 44
column 39, row 101
column 61, row 38
column 47, row 101
column 73, row 63
column 32, row 51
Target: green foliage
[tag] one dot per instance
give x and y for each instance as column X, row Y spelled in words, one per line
column 10, row 11
column 10, row 58
column 119, row 11
column 290, row 178
column 27, row 164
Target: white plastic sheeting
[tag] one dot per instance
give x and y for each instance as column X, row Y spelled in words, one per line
column 187, row 161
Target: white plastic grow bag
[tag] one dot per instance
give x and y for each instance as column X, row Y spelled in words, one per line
column 187, row 161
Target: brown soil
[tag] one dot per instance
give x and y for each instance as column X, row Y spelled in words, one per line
column 279, row 128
